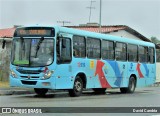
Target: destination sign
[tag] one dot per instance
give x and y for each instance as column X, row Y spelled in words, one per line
column 34, row 31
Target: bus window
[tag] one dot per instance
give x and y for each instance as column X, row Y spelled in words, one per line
column 120, row 51
column 32, row 52
column 143, row 54
column 65, row 50
column 132, row 53
column 79, row 46
column 151, row 55
column 107, row 49
column 93, row 48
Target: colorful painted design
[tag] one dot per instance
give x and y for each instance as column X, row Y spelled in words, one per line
column 118, row 75
column 45, row 70
column 103, row 81
column 91, row 64
column 146, row 69
column 117, row 71
column 106, row 70
column 139, row 71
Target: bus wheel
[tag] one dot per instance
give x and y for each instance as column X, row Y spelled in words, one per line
column 131, row 87
column 77, row 88
column 40, row 92
column 99, row 90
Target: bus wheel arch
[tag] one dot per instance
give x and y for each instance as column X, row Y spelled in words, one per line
column 83, row 77
column 131, row 85
column 79, row 84
column 77, row 89
column 135, row 77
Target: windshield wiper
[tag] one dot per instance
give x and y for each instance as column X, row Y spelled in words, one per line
column 38, row 46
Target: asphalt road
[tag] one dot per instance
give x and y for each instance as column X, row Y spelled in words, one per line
column 143, row 97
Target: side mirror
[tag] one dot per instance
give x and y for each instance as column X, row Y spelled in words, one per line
column 63, row 43
column 3, row 44
column 58, row 49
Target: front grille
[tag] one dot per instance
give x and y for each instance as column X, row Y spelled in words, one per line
column 32, row 77
column 29, row 82
column 29, row 71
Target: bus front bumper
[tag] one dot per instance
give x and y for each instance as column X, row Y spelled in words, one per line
column 31, row 83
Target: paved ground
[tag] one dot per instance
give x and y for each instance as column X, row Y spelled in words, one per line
column 19, row 91
column 143, row 97
column 15, row 91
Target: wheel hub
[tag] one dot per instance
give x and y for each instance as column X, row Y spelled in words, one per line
column 78, row 86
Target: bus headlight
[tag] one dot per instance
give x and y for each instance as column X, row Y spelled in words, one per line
column 48, row 74
column 13, row 74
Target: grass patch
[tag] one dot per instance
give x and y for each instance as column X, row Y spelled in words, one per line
column 4, row 84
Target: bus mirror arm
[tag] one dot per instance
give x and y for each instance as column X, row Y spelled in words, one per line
column 59, row 50
column 63, row 43
column 149, row 58
column 128, row 56
column 3, row 43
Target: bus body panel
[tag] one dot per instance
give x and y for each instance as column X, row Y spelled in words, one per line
column 99, row 73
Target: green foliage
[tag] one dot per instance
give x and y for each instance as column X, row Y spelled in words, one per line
column 156, row 41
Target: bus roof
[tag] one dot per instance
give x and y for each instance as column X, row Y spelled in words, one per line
column 96, row 35
column 104, row 36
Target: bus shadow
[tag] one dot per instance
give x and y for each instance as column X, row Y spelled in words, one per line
column 64, row 94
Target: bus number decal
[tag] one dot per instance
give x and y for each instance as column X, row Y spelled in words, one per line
column 81, row 64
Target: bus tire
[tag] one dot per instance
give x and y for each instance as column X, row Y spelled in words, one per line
column 40, row 91
column 77, row 87
column 131, row 86
column 99, row 90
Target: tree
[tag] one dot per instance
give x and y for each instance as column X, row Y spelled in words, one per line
column 156, row 41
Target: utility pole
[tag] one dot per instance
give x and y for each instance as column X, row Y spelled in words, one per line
column 63, row 22
column 90, row 8
column 100, row 15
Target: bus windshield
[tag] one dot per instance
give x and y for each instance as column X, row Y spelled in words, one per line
column 32, row 52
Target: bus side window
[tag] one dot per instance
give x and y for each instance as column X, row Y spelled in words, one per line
column 93, row 48
column 58, row 49
column 75, row 53
column 79, row 46
column 121, row 51
column 107, row 49
column 64, row 50
column 132, row 52
column 151, row 56
column 143, row 54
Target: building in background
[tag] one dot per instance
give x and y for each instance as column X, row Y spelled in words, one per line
column 116, row 30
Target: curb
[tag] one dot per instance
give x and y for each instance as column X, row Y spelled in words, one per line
column 157, row 84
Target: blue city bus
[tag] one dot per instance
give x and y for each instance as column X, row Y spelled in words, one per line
column 59, row 58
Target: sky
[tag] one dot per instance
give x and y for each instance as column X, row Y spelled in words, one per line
column 141, row 15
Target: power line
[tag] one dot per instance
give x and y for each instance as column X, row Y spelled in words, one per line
column 100, row 16
column 90, row 8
